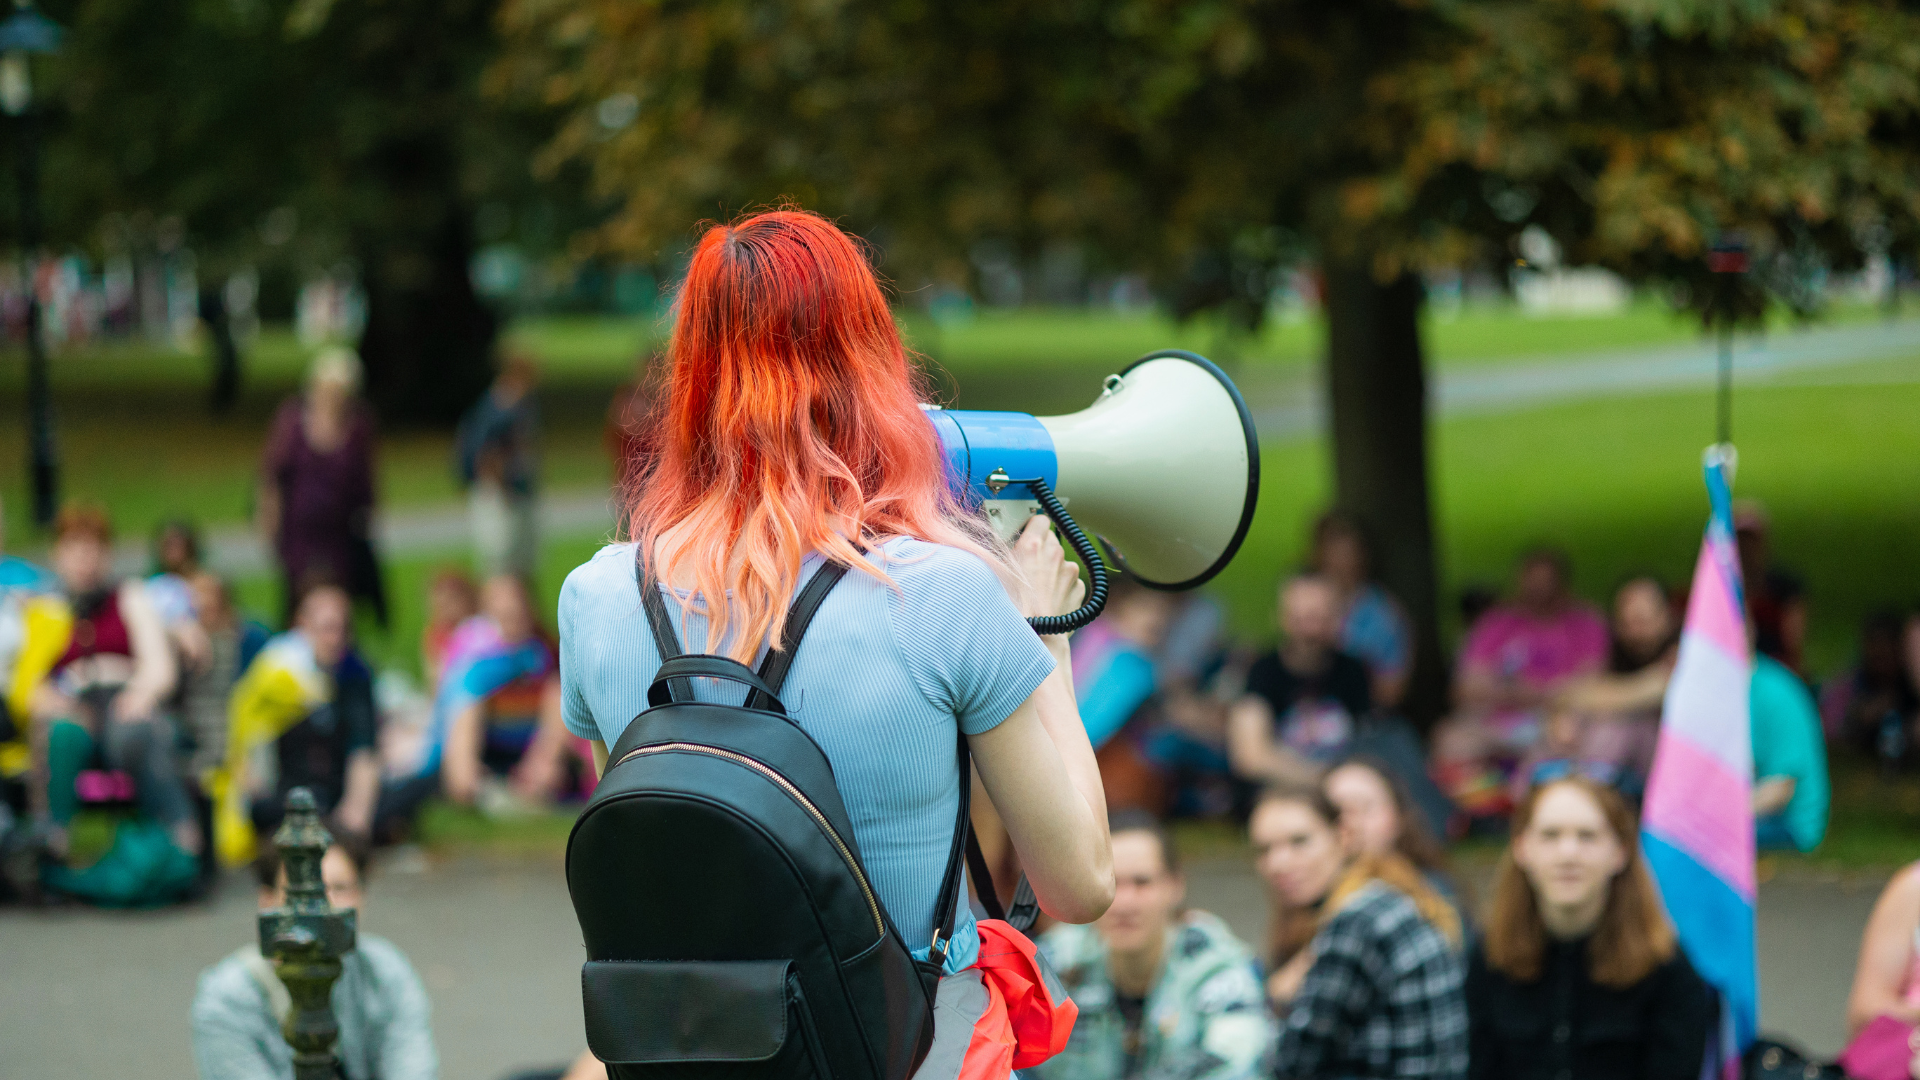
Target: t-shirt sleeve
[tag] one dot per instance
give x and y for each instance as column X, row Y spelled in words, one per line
column 573, row 699
column 1266, row 680
column 1351, row 685
column 962, row 639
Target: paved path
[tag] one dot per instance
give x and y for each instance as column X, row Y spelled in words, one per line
column 1476, row 388
column 89, row 994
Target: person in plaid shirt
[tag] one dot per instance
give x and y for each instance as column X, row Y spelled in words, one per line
column 1163, row 995
column 1379, row 992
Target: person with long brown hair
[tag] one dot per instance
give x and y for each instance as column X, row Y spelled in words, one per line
column 1579, row 975
column 789, row 432
column 1376, row 990
column 1379, row 817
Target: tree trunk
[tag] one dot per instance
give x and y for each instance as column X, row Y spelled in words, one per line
column 224, row 389
column 1376, row 386
column 428, row 342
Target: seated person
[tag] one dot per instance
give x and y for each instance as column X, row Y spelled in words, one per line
column 1886, row 981
column 1113, row 658
column 1579, row 972
column 1380, row 817
column 1377, row 990
column 231, row 642
column 379, row 1002
column 102, row 693
column 1199, row 679
column 1373, row 626
column 27, row 611
column 176, row 559
column 1304, row 701
column 1605, row 725
column 1790, row 791
column 451, row 600
column 1516, row 658
column 1163, row 993
column 21, row 584
column 1876, row 706
column 302, row 716
column 1776, row 596
column 1116, row 680
column 498, row 709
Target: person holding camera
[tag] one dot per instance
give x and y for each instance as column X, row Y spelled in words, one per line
column 790, row 433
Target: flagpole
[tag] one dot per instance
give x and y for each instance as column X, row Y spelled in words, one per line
column 1724, row 427
column 1725, row 262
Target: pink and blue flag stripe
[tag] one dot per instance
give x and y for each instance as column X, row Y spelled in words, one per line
column 1697, row 821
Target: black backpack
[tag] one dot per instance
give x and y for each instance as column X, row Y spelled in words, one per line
column 730, row 927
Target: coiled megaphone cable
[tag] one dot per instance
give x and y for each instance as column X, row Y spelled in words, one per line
column 1083, row 547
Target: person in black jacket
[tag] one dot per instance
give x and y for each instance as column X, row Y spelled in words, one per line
column 1579, row 976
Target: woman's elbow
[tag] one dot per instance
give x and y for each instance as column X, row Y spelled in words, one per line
column 1086, row 902
column 1085, row 895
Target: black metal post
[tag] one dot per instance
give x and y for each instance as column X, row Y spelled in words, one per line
column 306, row 938
column 43, row 458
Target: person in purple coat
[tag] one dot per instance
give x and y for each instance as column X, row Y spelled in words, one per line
column 317, row 489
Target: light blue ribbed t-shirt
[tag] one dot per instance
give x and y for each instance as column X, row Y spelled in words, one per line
column 880, row 681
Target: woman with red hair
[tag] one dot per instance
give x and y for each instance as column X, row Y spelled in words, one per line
column 790, row 433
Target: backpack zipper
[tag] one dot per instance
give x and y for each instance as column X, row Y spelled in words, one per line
column 859, row 875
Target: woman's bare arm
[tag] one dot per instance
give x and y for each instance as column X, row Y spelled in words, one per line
column 1886, row 955
column 154, row 671
column 1038, row 769
column 1037, row 765
column 1254, row 753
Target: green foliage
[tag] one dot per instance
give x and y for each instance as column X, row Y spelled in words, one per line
column 1207, row 140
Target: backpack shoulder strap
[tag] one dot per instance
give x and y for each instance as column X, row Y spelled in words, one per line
column 773, row 670
column 947, row 904
column 664, row 639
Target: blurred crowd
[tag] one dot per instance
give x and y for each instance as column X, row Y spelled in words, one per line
column 157, row 696
column 1544, row 686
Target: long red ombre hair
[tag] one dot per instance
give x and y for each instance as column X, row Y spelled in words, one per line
column 791, row 423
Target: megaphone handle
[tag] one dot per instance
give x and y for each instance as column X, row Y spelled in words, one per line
column 1089, row 557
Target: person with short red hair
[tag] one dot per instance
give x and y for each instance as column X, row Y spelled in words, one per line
column 104, row 691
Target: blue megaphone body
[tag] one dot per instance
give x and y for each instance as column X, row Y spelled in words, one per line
column 1163, row 468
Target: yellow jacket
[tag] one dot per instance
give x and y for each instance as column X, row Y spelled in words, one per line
column 282, row 687
column 49, row 626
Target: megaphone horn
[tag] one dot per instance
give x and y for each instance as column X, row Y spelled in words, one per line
column 1164, row 467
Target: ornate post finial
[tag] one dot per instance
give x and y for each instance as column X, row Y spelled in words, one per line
column 305, row 938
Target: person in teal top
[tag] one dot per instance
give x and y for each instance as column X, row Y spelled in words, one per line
column 1790, row 791
column 1114, row 672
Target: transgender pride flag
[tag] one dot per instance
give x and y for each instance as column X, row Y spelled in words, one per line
column 1697, row 824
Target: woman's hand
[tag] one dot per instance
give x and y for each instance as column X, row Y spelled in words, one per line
column 1051, row 585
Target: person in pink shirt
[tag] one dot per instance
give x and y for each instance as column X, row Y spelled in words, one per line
column 1515, row 659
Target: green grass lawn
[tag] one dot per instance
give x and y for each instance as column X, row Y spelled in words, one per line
column 1616, row 481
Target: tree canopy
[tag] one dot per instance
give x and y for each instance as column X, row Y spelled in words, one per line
column 1637, row 132
column 1208, row 142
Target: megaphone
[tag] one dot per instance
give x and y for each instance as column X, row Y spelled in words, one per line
column 1163, row 467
